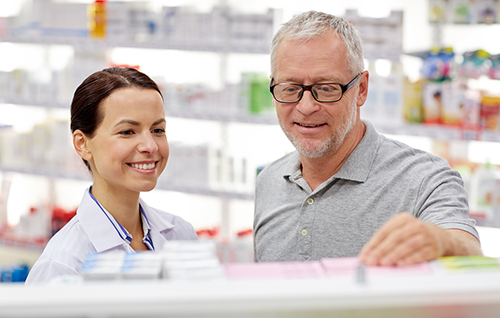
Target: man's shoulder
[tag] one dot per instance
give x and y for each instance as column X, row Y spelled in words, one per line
column 281, row 166
column 399, row 150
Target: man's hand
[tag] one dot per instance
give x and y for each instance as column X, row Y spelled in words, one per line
column 405, row 240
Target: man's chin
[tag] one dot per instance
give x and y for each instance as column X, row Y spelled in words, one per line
column 312, row 151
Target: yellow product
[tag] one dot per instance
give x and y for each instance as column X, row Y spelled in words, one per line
column 489, row 112
column 469, row 263
column 97, row 19
column 413, row 109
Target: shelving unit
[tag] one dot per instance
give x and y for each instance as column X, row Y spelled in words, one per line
column 83, row 45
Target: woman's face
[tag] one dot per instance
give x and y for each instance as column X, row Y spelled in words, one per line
column 129, row 150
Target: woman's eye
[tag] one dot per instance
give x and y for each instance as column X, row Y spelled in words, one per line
column 159, row 131
column 127, row 132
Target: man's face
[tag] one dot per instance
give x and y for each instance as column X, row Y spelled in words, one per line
column 316, row 129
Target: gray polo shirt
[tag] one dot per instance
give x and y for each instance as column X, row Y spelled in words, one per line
column 381, row 177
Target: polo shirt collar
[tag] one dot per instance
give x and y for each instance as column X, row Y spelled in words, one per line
column 358, row 165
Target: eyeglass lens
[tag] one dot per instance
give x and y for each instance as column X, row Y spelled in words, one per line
column 322, row 92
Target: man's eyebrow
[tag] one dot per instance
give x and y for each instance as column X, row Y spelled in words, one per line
column 322, row 79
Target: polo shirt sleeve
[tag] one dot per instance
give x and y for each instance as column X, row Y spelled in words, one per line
column 442, row 199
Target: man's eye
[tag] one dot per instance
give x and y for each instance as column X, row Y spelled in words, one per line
column 328, row 88
column 290, row 89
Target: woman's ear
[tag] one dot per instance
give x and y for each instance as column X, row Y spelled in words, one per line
column 80, row 142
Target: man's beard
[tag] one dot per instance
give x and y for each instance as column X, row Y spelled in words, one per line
column 331, row 145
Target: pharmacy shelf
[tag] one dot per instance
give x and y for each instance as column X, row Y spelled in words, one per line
column 58, row 173
column 223, row 117
column 85, row 43
column 431, row 131
column 439, row 132
column 15, row 242
column 460, row 295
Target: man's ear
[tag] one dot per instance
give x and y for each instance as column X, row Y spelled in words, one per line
column 80, row 142
column 363, row 88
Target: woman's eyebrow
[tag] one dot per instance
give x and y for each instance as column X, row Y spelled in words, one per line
column 136, row 123
column 159, row 121
column 127, row 121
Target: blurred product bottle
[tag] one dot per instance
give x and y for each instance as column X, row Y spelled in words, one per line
column 489, row 112
column 97, row 19
column 15, row 273
column 242, row 247
column 496, row 199
column 260, row 99
column 482, row 191
column 392, row 94
column 413, row 109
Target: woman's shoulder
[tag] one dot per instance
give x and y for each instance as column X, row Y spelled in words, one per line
column 167, row 221
column 69, row 240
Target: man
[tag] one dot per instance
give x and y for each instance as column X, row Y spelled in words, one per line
column 342, row 193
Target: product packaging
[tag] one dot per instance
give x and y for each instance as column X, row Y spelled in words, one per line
column 433, row 102
column 413, row 109
column 474, row 64
column 97, row 19
column 489, row 113
column 482, row 191
column 191, row 260
column 438, row 64
column 437, row 11
column 462, row 11
column 471, row 105
column 494, row 69
column 255, row 86
column 392, row 95
column 487, row 11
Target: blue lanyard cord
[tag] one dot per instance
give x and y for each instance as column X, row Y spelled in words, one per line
column 147, row 237
column 124, row 235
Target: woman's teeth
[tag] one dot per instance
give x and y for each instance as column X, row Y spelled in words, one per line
column 143, row 166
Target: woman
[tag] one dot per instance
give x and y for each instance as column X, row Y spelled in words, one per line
column 118, row 125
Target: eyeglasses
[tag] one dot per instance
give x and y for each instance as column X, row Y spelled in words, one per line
column 324, row 93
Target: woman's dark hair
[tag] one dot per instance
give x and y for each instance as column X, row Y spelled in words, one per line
column 86, row 114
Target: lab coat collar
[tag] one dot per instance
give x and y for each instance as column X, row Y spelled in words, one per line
column 159, row 226
column 101, row 232
column 104, row 236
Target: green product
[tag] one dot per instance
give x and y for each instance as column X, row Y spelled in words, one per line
column 260, row 98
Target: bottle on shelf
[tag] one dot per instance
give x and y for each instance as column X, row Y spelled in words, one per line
column 97, row 19
column 482, row 191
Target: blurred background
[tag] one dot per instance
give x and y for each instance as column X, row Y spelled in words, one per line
column 434, row 84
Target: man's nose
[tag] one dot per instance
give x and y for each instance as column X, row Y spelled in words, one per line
column 307, row 104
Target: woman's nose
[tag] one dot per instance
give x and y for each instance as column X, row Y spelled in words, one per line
column 147, row 143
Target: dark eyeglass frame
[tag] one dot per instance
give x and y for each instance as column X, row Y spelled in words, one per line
column 344, row 88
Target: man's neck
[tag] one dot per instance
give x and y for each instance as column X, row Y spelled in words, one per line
column 317, row 170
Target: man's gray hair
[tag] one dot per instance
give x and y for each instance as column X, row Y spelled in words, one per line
column 313, row 24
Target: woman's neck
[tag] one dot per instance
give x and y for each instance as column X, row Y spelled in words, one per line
column 123, row 205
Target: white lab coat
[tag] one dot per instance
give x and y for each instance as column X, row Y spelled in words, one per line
column 94, row 230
